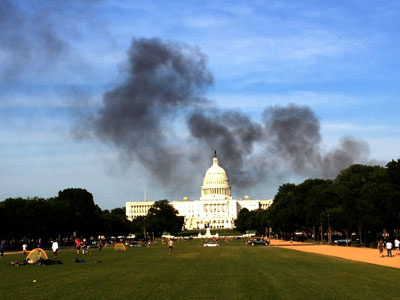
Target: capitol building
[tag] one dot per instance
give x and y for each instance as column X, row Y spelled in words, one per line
column 215, row 209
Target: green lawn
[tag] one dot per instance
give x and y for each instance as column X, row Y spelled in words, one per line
column 232, row 271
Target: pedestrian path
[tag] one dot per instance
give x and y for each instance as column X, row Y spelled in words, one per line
column 367, row 255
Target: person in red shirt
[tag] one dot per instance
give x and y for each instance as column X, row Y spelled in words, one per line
column 77, row 245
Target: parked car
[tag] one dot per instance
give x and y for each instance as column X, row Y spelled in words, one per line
column 257, row 242
column 342, row 242
column 211, row 244
column 136, row 244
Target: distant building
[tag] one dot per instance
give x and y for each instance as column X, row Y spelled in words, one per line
column 215, row 209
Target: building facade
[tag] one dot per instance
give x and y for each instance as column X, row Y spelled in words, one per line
column 215, row 209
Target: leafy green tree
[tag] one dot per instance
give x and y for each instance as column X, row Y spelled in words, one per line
column 282, row 213
column 261, row 221
column 393, row 201
column 361, row 189
column 23, row 218
column 319, row 198
column 79, row 210
column 138, row 226
column 241, row 222
column 163, row 217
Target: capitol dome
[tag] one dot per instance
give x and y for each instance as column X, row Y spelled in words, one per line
column 215, row 183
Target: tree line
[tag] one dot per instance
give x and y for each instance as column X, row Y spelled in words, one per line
column 73, row 213
column 361, row 199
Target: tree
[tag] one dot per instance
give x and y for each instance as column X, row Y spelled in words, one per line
column 114, row 222
column 138, row 226
column 78, row 211
column 393, row 201
column 282, row 213
column 163, row 217
column 360, row 189
column 23, row 217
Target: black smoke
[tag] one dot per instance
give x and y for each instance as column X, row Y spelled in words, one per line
column 293, row 134
column 38, row 37
column 346, row 153
column 286, row 144
column 233, row 134
column 158, row 116
column 163, row 80
column 27, row 38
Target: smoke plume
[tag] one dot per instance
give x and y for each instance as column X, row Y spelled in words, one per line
column 163, row 92
column 163, row 80
column 38, row 37
column 294, row 138
column 285, row 145
column 293, row 134
column 233, row 134
column 28, row 37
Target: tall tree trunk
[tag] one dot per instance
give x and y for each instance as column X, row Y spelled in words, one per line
column 360, row 232
column 346, row 232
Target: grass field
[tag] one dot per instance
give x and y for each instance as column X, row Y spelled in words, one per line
column 232, row 271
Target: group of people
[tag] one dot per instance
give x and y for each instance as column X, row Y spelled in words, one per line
column 389, row 246
column 82, row 245
column 54, row 247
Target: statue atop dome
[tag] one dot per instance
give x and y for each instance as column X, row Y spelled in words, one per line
column 215, row 183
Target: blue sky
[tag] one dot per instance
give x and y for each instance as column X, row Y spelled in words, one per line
column 340, row 58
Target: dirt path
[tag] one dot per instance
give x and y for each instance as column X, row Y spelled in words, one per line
column 367, row 255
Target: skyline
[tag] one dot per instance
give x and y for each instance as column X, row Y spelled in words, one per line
column 337, row 61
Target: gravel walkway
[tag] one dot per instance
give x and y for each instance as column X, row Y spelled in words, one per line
column 367, row 255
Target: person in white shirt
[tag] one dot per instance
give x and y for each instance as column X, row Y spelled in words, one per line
column 397, row 245
column 170, row 245
column 24, row 248
column 54, row 248
column 389, row 248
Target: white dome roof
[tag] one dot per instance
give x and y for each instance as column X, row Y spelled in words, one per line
column 215, row 171
column 215, row 183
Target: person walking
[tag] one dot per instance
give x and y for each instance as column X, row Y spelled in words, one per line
column 54, row 248
column 84, row 246
column 100, row 245
column 170, row 245
column 380, row 247
column 389, row 248
column 2, row 248
column 77, row 245
column 397, row 245
column 24, row 248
